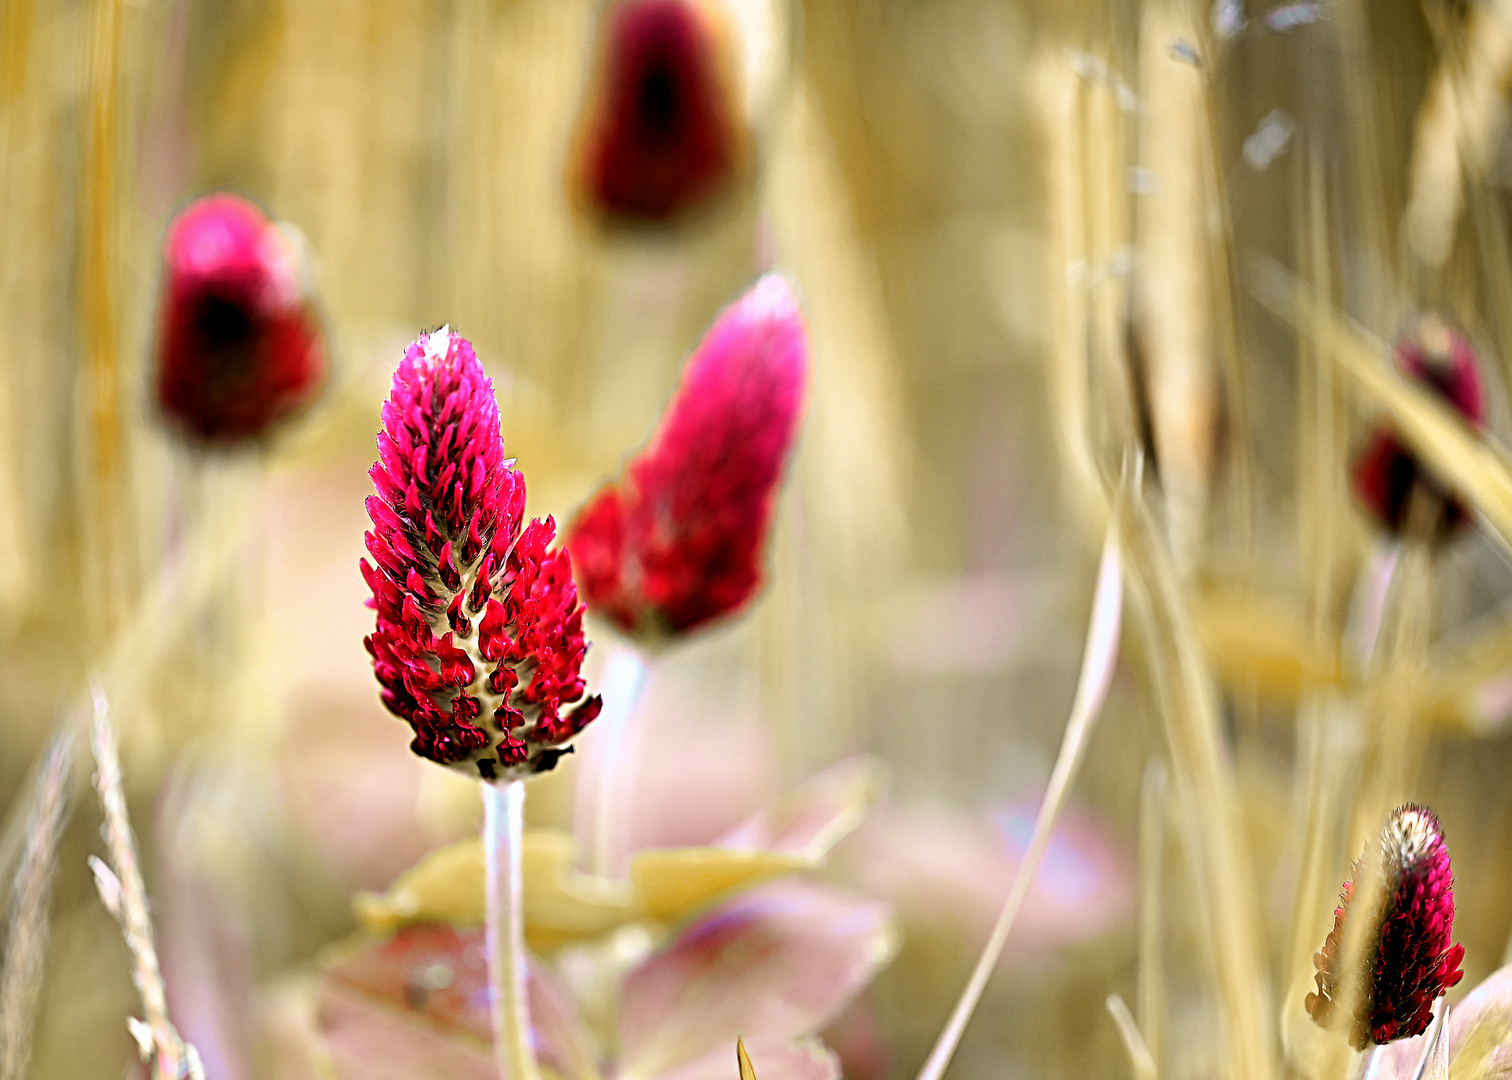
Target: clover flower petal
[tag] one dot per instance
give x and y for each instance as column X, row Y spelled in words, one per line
column 479, row 642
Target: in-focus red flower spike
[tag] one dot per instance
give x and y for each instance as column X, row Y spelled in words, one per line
column 661, row 134
column 681, row 539
column 479, row 643
column 239, row 347
column 1386, row 474
column 1408, row 960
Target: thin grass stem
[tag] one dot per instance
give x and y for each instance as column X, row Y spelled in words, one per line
column 1098, row 663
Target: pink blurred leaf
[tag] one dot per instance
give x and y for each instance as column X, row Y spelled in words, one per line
column 777, row 963
column 432, row 982
column 814, row 816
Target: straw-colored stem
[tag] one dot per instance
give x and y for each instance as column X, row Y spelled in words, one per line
column 1152, row 830
column 26, row 936
column 1206, row 798
column 124, row 893
column 1096, row 673
column 606, row 773
column 104, row 507
column 503, row 841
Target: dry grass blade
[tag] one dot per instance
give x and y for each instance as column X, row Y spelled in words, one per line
column 26, row 938
column 1098, row 662
column 1473, row 466
column 1153, row 808
column 743, row 1061
column 124, row 893
column 1175, row 300
column 1140, row 1058
column 1205, row 794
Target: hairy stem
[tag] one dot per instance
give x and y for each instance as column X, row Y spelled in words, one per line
column 503, row 834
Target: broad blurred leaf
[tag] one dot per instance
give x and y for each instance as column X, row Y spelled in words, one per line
column 779, row 961
column 666, row 886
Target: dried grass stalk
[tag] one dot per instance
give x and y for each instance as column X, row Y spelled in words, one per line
column 1457, row 130
column 1175, row 297
column 1205, row 796
column 124, row 893
column 26, row 937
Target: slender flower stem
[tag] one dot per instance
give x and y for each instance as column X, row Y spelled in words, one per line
column 606, row 776
column 503, row 832
column 1097, row 672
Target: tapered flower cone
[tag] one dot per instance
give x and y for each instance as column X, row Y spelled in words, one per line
column 239, row 347
column 661, row 135
column 1408, row 960
column 1386, row 474
column 479, row 643
column 680, row 540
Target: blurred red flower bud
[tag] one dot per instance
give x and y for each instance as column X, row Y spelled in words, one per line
column 239, row 348
column 1386, row 474
column 661, row 134
column 681, row 538
column 1408, row 961
column 479, row 643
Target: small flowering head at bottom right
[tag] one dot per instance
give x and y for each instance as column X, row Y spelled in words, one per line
column 1388, row 479
column 1406, row 961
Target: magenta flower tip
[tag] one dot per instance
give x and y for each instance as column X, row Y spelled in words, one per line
column 1408, row 961
column 479, row 642
column 239, row 348
column 661, row 134
column 680, row 539
column 1440, row 358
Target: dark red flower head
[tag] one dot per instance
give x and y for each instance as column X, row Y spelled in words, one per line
column 681, row 539
column 661, row 134
column 1408, row 961
column 1386, row 474
column 480, row 641
column 239, row 348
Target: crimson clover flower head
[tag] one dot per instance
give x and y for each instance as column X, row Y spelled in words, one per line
column 680, row 539
column 661, row 134
column 1408, row 960
column 239, row 348
column 1442, row 359
column 479, row 643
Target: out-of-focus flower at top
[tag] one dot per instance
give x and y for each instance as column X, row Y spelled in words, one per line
column 680, row 540
column 662, row 133
column 479, row 643
column 239, row 347
column 1408, row 961
column 1386, row 474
